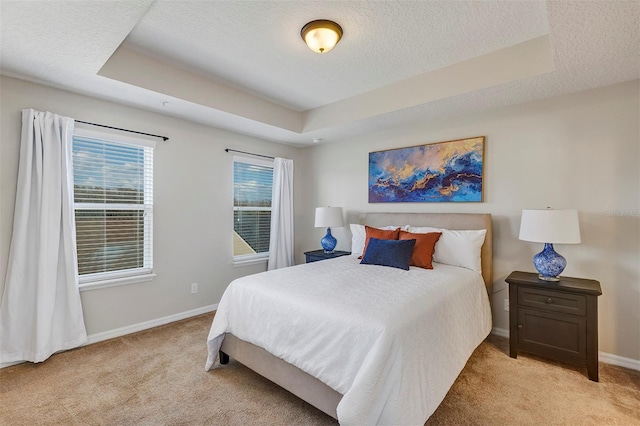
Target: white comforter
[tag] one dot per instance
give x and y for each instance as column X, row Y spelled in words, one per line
column 391, row 341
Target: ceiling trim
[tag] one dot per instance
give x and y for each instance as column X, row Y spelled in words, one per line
column 138, row 69
column 523, row 60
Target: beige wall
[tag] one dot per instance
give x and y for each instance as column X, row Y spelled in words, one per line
column 578, row 151
column 193, row 218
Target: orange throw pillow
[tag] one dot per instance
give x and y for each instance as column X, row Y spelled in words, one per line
column 422, row 255
column 381, row 234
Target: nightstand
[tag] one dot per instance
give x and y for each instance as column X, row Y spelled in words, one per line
column 558, row 320
column 316, row 255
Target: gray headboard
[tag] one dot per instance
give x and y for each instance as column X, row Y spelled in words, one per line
column 458, row 221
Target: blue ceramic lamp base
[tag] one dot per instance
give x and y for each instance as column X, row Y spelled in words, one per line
column 549, row 264
column 328, row 242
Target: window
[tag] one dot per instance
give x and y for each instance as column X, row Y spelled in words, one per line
column 252, row 186
column 113, row 203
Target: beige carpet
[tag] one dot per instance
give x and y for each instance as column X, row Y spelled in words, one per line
column 157, row 377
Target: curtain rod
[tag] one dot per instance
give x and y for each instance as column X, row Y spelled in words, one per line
column 248, row 153
column 164, row 138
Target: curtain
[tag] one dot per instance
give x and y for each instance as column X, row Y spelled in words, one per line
column 281, row 239
column 41, row 312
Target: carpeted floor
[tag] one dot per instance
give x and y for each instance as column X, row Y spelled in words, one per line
column 157, row 377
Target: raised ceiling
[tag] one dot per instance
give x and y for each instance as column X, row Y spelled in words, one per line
column 242, row 65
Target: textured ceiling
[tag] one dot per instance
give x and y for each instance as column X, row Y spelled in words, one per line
column 242, row 66
column 257, row 45
column 51, row 39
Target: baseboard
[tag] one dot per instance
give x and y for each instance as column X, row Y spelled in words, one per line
column 134, row 328
column 500, row 332
column 633, row 364
column 9, row 364
column 607, row 358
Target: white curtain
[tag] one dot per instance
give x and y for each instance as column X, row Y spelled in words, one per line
column 41, row 311
column 281, row 240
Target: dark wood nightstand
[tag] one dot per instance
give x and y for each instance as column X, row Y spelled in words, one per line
column 557, row 320
column 316, row 255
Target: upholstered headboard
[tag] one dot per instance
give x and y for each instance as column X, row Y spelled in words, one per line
column 457, row 221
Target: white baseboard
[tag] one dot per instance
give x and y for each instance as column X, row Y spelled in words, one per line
column 607, row 358
column 9, row 364
column 633, row 364
column 134, row 328
column 500, row 332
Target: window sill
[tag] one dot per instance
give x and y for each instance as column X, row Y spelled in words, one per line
column 114, row 282
column 248, row 262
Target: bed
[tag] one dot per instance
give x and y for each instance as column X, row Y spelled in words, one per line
column 380, row 351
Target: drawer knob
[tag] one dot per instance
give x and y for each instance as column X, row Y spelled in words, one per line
column 549, row 300
column 519, row 325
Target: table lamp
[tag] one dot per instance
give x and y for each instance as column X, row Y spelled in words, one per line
column 328, row 217
column 550, row 227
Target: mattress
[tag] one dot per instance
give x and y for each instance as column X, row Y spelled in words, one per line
column 392, row 342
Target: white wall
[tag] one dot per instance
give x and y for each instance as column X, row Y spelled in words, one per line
column 577, row 151
column 193, row 218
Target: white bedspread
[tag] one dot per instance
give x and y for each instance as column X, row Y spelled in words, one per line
column 391, row 341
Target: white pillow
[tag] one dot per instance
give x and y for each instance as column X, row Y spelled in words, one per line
column 359, row 235
column 457, row 248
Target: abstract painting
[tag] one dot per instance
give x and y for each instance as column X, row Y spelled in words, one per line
column 439, row 172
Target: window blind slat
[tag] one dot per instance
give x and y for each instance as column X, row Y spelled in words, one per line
column 113, row 194
column 252, row 188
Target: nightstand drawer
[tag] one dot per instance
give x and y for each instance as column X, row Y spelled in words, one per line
column 317, row 255
column 311, row 258
column 555, row 301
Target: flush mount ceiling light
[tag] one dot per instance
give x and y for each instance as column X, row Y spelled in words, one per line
column 322, row 35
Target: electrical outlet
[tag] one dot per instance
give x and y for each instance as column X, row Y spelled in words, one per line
column 194, row 288
column 506, row 305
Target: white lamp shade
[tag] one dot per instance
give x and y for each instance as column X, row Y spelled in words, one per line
column 550, row 226
column 328, row 217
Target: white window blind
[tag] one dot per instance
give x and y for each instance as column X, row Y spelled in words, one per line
column 252, row 187
column 113, row 194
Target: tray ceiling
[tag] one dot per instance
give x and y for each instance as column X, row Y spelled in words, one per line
column 242, row 65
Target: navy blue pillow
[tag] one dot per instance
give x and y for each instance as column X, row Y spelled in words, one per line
column 394, row 253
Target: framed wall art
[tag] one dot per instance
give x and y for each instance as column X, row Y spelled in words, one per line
column 449, row 171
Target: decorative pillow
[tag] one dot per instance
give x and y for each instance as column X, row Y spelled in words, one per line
column 457, row 248
column 381, row 234
column 394, row 253
column 424, row 248
column 359, row 236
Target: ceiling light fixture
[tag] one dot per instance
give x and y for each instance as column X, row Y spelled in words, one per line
column 322, row 35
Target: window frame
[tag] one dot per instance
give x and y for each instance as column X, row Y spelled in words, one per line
column 124, row 276
column 247, row 259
